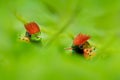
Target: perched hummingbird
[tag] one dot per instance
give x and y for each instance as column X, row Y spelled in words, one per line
column 82, row 47
column 32, row 32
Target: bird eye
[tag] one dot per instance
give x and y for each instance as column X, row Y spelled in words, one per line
column 80, row 46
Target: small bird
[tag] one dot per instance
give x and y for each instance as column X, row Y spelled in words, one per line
column 82, row 47
column 32, row 32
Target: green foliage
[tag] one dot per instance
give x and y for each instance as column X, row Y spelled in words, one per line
column 59, row 21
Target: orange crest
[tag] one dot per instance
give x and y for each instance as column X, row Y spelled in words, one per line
column 80, row 39
column 32, row 28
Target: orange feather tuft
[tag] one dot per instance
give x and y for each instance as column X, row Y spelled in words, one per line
column 80, row 39
column 32, row 28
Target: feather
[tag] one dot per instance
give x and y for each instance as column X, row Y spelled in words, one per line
column 80, row 39
column 32, row 28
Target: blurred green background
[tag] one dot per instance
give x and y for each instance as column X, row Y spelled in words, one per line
column 59, row 21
